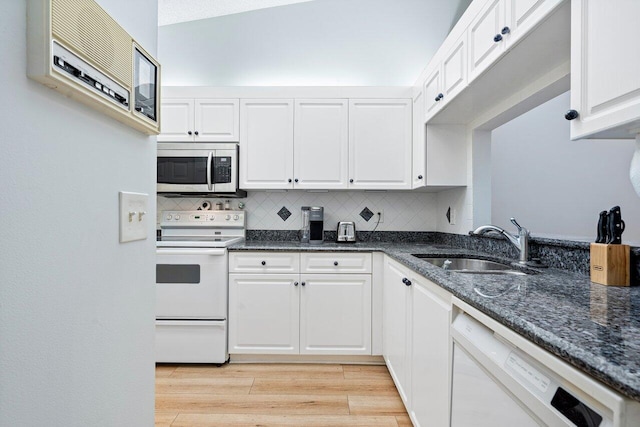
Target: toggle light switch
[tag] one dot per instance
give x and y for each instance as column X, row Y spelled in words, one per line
column 133, row 208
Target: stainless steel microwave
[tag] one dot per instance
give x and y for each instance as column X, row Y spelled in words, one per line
column 197, row 169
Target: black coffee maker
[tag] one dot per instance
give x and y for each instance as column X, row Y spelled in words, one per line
column 316, row 225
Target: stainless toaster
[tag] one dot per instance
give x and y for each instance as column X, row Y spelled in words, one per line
column 346, row 231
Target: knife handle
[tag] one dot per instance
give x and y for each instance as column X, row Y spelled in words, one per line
column 602, row 227
column 615, row 226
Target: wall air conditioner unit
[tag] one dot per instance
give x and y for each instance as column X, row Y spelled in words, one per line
column 75, row 47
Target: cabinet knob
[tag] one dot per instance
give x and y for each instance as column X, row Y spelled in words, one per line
column 439, row 97
column 295, row 180
column 419, row 176
column 196, row 132
column 335, row 263
column 289, row 180
column 189, row 133
column 497, row 38
column 351, row 180
column 505, row 30
column 571, row 115
column 406, row 281
column 295, row 283
column 303, row 284
column 264, row 263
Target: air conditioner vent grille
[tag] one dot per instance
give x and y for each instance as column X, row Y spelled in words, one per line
column 84, row 26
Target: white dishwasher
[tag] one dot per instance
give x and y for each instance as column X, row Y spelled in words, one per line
column 496, row 383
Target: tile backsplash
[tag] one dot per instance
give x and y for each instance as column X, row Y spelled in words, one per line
column 402, row 211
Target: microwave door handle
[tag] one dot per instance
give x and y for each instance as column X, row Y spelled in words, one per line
column 209, row 184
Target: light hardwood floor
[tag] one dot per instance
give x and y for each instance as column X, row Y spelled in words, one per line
column 273, row 395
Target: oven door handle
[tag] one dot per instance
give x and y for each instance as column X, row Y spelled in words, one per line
column 209, row 170
column 191, row 251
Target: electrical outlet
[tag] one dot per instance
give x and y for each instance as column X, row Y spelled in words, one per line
column 381, row 212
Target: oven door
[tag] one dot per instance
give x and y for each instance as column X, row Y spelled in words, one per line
column 191, row 283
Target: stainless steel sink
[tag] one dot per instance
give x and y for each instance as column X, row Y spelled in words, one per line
column 471, row 265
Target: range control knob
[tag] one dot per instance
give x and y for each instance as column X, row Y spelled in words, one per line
column 228, row 217
column 177, row 217
column 236, row 217
column 168, row 217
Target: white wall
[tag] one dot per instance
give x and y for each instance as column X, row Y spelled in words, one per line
column 554, row 186
column 323, row 42
column 76, row 306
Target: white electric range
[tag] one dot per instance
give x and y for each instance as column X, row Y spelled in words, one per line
column 192, row 284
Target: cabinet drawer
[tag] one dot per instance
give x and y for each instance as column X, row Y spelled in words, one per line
column 335, row 262
column 264, row 262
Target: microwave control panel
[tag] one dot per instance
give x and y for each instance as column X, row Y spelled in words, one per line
column 221, row 170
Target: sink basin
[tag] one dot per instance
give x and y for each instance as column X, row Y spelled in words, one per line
column 471, row 265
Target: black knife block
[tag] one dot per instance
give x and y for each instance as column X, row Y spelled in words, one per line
column 610, row 264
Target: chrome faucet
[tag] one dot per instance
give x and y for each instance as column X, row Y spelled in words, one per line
column 521, row 241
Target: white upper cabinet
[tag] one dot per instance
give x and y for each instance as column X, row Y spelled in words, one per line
column 177, row 120
column 217, row 120
column 523, row 15
column 486, row 41
column 419, row 150
column 266, row 143
column 200, row 120
column 380, row 144
column 448, row 79
column 605, row 69
column 321, row 144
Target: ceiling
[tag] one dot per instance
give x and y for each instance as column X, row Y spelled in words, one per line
column 176, row 11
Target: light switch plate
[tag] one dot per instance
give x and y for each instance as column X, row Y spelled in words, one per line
column 133, row 216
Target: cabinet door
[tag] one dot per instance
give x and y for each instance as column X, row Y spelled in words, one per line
column 217, row 120
column 321, row 143
column 432, row 92
column 263, row 313
column 454, row 69
column 430, row 356
column 335, row 314
column 483, row 49
column 266, row 144
column 523, row 15
column 396, row 326
column 605, row 64
column 418, row 144
column 380, row 144
column 177, row 120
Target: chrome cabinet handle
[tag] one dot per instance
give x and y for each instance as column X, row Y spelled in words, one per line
column 264, row 263
column 335, row 263
column 303, row 284
column 295, row 283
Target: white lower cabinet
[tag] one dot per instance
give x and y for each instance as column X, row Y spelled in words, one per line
column 430, row 355
column 335, row 314
column 395, row 325
column 417, row 343
column 263, row 313
column 300, row 313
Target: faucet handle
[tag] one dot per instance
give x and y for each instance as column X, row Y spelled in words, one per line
column 521, row 230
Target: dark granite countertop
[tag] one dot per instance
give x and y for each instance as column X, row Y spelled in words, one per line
column 593, row 327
